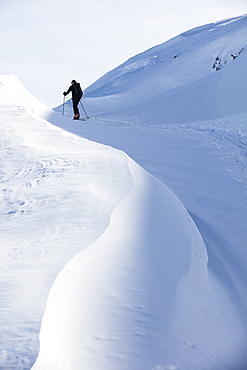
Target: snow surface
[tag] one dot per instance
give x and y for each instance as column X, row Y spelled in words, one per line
column 129, row 251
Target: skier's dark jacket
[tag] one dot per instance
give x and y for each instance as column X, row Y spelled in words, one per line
column 76, row 91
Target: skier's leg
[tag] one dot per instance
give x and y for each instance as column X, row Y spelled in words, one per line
column 75, row 107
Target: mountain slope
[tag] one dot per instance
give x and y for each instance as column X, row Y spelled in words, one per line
column 163, row 76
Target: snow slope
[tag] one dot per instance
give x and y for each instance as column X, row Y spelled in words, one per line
column 122, row 273
column 169, row 80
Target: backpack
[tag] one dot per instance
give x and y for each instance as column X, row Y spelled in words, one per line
column 78, row 90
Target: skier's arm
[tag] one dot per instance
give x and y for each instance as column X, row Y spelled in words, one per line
column 67, row 92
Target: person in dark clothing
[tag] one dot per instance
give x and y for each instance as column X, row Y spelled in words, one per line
column 77, row 93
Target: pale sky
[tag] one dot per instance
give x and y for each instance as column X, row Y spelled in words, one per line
column 47, row 43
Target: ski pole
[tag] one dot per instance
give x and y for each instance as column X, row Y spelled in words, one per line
column 84, row 109
column 63, row 104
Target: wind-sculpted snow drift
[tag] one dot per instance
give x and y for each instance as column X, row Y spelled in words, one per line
column 49, row 212
column 140, row 296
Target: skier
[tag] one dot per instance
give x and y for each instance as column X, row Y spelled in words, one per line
column 77, row 93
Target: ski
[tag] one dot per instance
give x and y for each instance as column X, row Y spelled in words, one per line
column 80, row 119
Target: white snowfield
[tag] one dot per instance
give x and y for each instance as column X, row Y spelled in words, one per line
column 102, row 265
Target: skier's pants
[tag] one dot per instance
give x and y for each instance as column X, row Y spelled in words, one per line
column 75, row 105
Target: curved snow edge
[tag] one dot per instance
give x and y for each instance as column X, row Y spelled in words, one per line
column 113, row 304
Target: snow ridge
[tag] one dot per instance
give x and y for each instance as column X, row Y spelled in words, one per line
column 114, row 293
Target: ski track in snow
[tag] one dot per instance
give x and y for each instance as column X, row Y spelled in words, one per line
column 229, row 140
